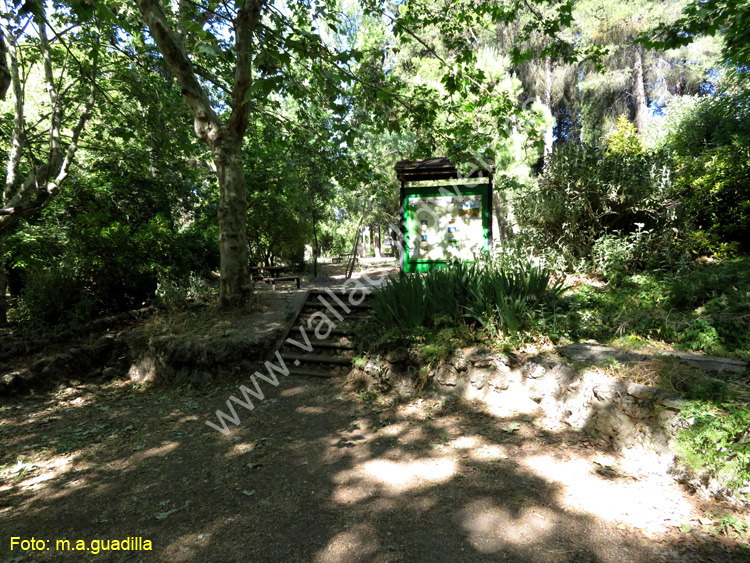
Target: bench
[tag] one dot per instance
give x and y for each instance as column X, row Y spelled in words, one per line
column 336, row 259
column 273, row 281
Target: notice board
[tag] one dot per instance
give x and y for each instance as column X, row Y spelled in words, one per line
column 445, row 222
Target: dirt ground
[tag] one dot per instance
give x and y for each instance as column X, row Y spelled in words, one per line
column 316, row 472
column 319, row 473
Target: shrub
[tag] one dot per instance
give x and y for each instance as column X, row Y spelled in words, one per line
column 496, row 296
column 585, row 196
column 54, row 295
column 716, row 441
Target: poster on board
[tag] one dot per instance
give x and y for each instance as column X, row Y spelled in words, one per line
column 441, row 227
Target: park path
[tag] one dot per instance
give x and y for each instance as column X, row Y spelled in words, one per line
column 316, row 472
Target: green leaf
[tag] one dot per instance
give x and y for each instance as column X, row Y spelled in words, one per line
column 512, row 427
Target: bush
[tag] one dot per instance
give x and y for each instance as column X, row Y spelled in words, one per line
column 500, row 298
column 716, row 442
column 714, row 187
column 594, row 207
column 52, row 296
column 708, row 139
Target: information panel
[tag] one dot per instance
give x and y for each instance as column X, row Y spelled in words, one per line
column 442, row 224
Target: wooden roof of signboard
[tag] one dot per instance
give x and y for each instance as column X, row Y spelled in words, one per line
column 440, row 168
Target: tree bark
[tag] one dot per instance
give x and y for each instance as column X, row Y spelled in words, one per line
column 396, row 245
column 234, row 284
column 548, row 132
column 4, row 73
column 316, row 249
column 639, row 91
column 3, row 286
column 377, row 241
column 224, row 140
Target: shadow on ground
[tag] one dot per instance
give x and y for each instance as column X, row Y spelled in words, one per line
column 313, row 473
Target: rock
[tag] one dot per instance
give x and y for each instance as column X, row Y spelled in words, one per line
column 710, row 364
column 479, row 357
column 604, row 393
column 447, row 375
column 595, row 353
column 672, row 403
column 414, row 356
column 111, row 373
column 500, row 381
column 643, row 392
column 534, row 369
column 397, row 356
column 479, row 377
column 14, row 380
column 636, row 410
column 459, row 360
column 562, row 373
column 372, row 369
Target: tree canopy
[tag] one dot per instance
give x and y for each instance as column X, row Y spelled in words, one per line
column 183, row 137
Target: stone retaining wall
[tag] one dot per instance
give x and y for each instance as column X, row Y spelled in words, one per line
column 624, row 415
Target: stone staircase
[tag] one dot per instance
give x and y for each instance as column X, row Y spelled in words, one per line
column 320, row 342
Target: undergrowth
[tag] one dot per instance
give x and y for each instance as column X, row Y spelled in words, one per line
column 716, row 442
column 706, row 309
column 501, row 299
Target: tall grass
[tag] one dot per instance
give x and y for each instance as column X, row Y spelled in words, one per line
column 499, row 296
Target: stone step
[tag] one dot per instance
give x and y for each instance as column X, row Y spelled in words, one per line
column 316, row 304
column 315, row 359
column 308, row 373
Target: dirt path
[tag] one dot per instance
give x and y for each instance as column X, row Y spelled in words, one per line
column 317, row 473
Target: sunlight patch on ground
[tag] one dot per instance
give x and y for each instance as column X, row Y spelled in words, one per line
column 391, row 478
column 403, row 476
column 641, row 503
column 399, row 428
column 464, row 442
column 38, row 473
column 491, row 527
column 508, row 404
column 358, row 543
column 292, row 391
column 311, row 410
column 159, row 451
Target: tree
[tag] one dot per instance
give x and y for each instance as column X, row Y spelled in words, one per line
column 224, row 137
column 34, row 176
column 728, row 18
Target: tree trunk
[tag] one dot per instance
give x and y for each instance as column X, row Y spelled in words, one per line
column 3, row 286
column 5, row 79
column 377, row 241
column 235, row 281
column 549, row 132
column 396, row 245
column 315, row 241
column 500, row 205
column 639, row 91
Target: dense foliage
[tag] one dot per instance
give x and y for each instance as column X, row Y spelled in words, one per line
column 338, row 94
column 500, row 297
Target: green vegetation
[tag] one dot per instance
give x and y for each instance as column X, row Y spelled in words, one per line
column 704, row 308
column 501, row 299
column 716, row 441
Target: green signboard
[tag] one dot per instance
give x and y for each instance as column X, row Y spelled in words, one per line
column 445, row 222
